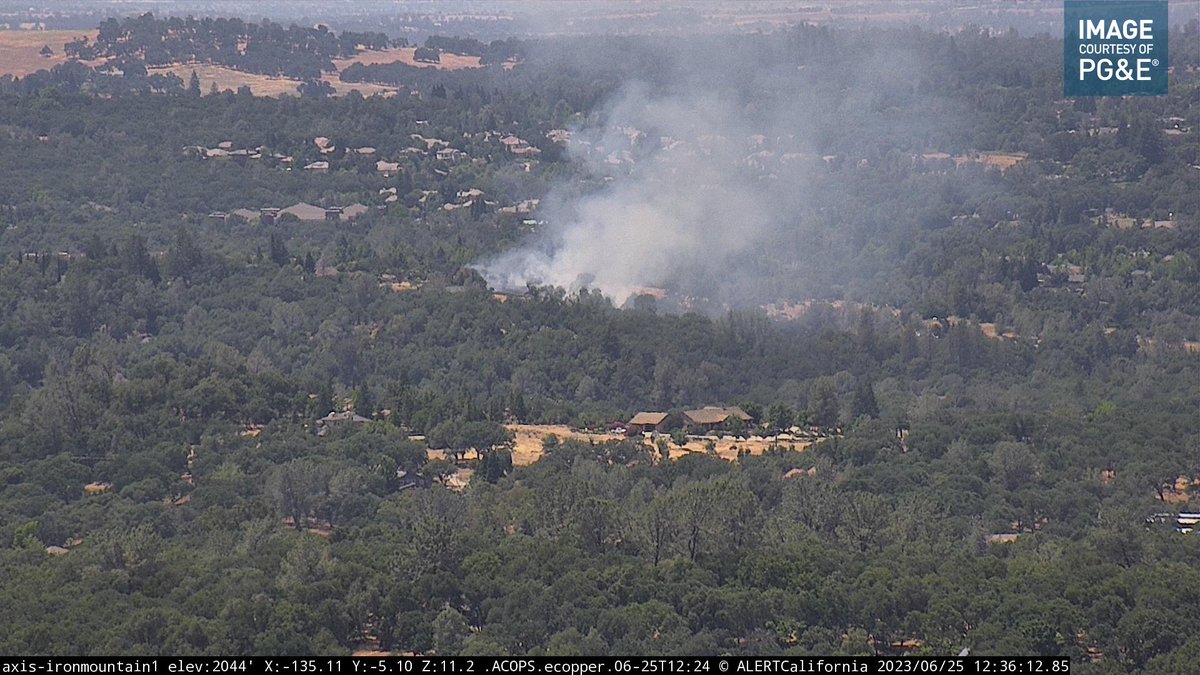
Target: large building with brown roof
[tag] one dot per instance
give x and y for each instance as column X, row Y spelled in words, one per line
column 644, row 422
column 714, row 417
column 304, row 211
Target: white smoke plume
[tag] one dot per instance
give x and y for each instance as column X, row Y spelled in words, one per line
column 680, row 198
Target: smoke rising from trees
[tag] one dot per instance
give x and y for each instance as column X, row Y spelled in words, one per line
column 721, row 174
column 680, row 198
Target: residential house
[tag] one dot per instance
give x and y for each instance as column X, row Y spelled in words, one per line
column 304, row 211
column 336, row 419
column 518, row 146
column 249, row 215
column 353, row 211
column 523, row 206
column 324, row 146
column 334, row 214
column 710, row 418
column 430, row 143
column 645, row 422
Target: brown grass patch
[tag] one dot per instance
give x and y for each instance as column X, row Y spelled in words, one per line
column 364, row 88
column 228, row 78
column 1172, row 496
column 405, row 55
column 19, row 49
column 263, row 85
column 728, row 447
column 1178, row 492
column 19, row 56
column 1000, row 160
column 528, row 446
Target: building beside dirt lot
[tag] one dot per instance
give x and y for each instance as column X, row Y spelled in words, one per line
column 711, row 418
column 644, row 422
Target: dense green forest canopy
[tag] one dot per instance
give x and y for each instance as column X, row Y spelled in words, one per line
column 1010, row 356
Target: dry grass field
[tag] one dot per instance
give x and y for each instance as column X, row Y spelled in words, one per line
column 364, row 88
column 19, row 49
column 1001, row 160
column 227, row 78
column 20, row 55
column 528, row 446
column 262, row 85
column 405, row 55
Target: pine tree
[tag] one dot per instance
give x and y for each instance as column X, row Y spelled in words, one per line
column 362, row 401
column 194, row 85
column 279, row 252
column 183, row 257
column 864, row 402
column 823, row 403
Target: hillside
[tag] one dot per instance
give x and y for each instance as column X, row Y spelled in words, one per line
column 805, row 341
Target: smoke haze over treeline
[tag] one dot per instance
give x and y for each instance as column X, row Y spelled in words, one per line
column 503, row 18
column 686, row 206
column 710, row 161
column 801, row 163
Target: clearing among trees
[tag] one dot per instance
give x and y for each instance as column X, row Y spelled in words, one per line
column 20, row 50
column 527, row 448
